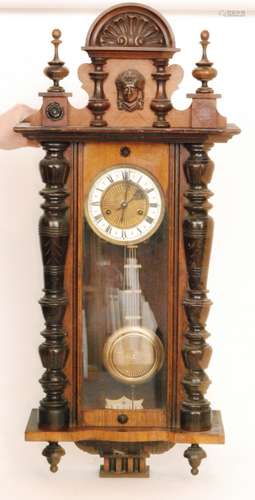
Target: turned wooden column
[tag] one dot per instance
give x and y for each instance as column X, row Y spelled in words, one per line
column 161, row 104
column 98, row 103
column 197, row 232
column 54, row 231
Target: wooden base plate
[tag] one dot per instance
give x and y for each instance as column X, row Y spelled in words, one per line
column 214, row 436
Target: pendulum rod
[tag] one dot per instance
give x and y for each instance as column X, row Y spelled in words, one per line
column 132, row 290
column 132, row 294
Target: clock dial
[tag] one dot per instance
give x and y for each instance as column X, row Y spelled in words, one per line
column 125, row 205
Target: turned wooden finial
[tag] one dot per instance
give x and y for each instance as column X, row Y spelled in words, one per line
column 204, row 71
column 56, row 70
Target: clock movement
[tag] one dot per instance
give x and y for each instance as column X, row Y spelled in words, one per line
column 125, row 237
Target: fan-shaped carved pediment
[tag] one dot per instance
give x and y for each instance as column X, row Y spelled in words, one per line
column 130, row 26
column 131, row 30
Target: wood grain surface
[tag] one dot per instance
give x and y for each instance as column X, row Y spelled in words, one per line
column 214, row 436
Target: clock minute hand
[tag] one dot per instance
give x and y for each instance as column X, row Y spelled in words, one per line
column 126, row 202
column 122, row 215
column 126, row 192
column 125, row 197
column 123, row 204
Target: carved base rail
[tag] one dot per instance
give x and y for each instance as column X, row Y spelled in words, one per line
column 197, row 231
column 125, row 466
column 54, row 231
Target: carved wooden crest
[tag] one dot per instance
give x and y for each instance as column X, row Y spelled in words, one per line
column 131, row 30
column 130, row 77
column 130, row 26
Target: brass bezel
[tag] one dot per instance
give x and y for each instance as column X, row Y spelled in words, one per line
column 150, row 336
column 109, row 239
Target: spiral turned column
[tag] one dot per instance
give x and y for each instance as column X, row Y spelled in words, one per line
column 197, row 231
column 54, row 231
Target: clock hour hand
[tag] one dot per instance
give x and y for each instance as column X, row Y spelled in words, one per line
column 125, row 203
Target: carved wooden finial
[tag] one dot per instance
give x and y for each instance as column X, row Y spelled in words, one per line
column 204, row 71
column 56, row 70
column 195, row 455
column 53, row 452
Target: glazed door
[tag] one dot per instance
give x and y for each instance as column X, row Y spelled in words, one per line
column 125, row 337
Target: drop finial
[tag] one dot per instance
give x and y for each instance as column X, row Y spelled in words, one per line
column 204, row 71
column 56, row 70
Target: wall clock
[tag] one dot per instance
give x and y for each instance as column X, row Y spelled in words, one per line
column 125, row 236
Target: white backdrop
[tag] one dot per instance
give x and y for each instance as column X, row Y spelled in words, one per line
column 227, row 472
column 181, row 5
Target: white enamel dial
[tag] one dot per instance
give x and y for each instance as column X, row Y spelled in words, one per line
column 125, row 205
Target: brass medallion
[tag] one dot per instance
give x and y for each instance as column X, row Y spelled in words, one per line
column 133, row 355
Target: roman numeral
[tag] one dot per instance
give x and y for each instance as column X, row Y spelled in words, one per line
column 98, row 218
column 125, row 175
column 153, row 205
column 109, row 229
column 98, row 189
column 149, row 219
column 149, row 190
column 123, row 235
column 95, row 203
column 139, row 230
column 110, row 179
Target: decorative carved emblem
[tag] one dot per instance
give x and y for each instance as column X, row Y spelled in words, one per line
column 131, row 30
column 130, row 93
column 124, row 403
column 54, row 111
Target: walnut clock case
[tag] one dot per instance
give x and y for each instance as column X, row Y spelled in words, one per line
column 125, row 239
